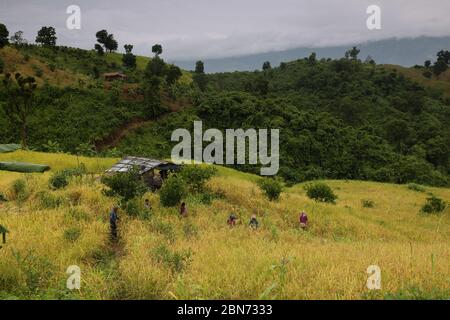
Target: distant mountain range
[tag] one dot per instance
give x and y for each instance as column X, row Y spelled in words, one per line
column 405, row 52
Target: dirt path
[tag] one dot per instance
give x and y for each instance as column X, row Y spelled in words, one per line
column 113, row 139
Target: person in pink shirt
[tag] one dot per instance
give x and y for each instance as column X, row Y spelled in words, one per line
column 303, row 220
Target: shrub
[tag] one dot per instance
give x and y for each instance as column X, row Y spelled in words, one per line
column 2, row 65
column 271, row 187
column 49, row 201
column 131, row 207
column 321, row 192
column 416, row 187
column 20, row 190
column 196, row 176
column 126, row 185
column 434, row 205
column 172, row 191
column 58, row 180
column 367, row 203
column 72, row 234
column 166, row 229
column 176, row 261
column 3, row 197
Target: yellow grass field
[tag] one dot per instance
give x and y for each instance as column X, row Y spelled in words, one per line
column 200, row 257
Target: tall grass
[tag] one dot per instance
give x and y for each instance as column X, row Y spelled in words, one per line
column 156, row 258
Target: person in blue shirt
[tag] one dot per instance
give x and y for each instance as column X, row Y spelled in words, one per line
column 113, row 217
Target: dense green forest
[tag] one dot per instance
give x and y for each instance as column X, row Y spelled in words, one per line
column 342, row 118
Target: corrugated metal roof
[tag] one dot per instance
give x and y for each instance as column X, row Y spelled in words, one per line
column 143, row 164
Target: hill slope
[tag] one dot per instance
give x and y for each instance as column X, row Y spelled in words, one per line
column 52, row 230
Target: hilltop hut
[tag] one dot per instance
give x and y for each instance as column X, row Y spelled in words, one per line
column 152, row 171
column 114, row 76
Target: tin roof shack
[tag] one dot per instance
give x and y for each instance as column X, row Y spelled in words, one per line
column 114, row 76
column 152, row 171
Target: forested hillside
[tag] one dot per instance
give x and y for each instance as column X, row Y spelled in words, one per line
column 339, row 119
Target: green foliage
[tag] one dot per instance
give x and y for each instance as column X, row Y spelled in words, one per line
column 48, row 200
column 46, row 36
column 72, row 234
column 196, row 176
column 272, row 187
column 4, row 35
column 60, row 179
column 321, row 192
column 2, row 65
column 434, row 205
column 367, row 203
column 416, row 187
column 176, row 261
column 20, row 190
column 172, row 191
column 126, row 185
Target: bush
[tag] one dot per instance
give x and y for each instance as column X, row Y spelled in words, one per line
column 20, row 190
column 196, row 176
column 3, row 197
column 416, row 187
column 58, row 180
column 126, row 185
column 320, row 192
column 434, row 205
column 2, row 65
column 271, row 187
column 176, row 261
column 172, row 191
column 49, row 201
column 367, row 203
column 72, row 234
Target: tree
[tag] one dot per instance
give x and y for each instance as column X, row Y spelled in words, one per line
column 157, row 49
column 106, row 40
column 173, row 74
column 4, row 34
column 440, row 66
column 352, row 53
column 266, row 66
column 199, row 75
column 129, row 59
column 46, row 36
column 20, row 100
column 427, row 64
column 312, row 58
column 99, row 49
column 18, row 39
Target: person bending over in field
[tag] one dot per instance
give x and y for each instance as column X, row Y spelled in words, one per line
column 303, row 220
column 183, row 210
column 254, row 224
column 113, row 217
column 232, row 220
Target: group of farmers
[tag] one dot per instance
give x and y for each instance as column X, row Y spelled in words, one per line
column 231, row 221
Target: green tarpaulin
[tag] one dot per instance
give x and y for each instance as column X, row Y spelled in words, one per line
column 23, row 167
column 9, row 147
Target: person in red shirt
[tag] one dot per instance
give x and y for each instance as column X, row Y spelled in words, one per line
column 303, row 220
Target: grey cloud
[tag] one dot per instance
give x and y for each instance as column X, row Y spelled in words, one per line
column 216, row 28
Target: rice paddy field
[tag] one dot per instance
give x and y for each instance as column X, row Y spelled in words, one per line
column 165, row 256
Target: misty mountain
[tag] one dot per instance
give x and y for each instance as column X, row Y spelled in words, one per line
column 405, row 52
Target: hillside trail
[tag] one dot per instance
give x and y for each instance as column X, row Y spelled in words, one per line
column 114, row 139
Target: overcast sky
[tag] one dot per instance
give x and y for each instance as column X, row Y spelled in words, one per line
column 191, row 29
